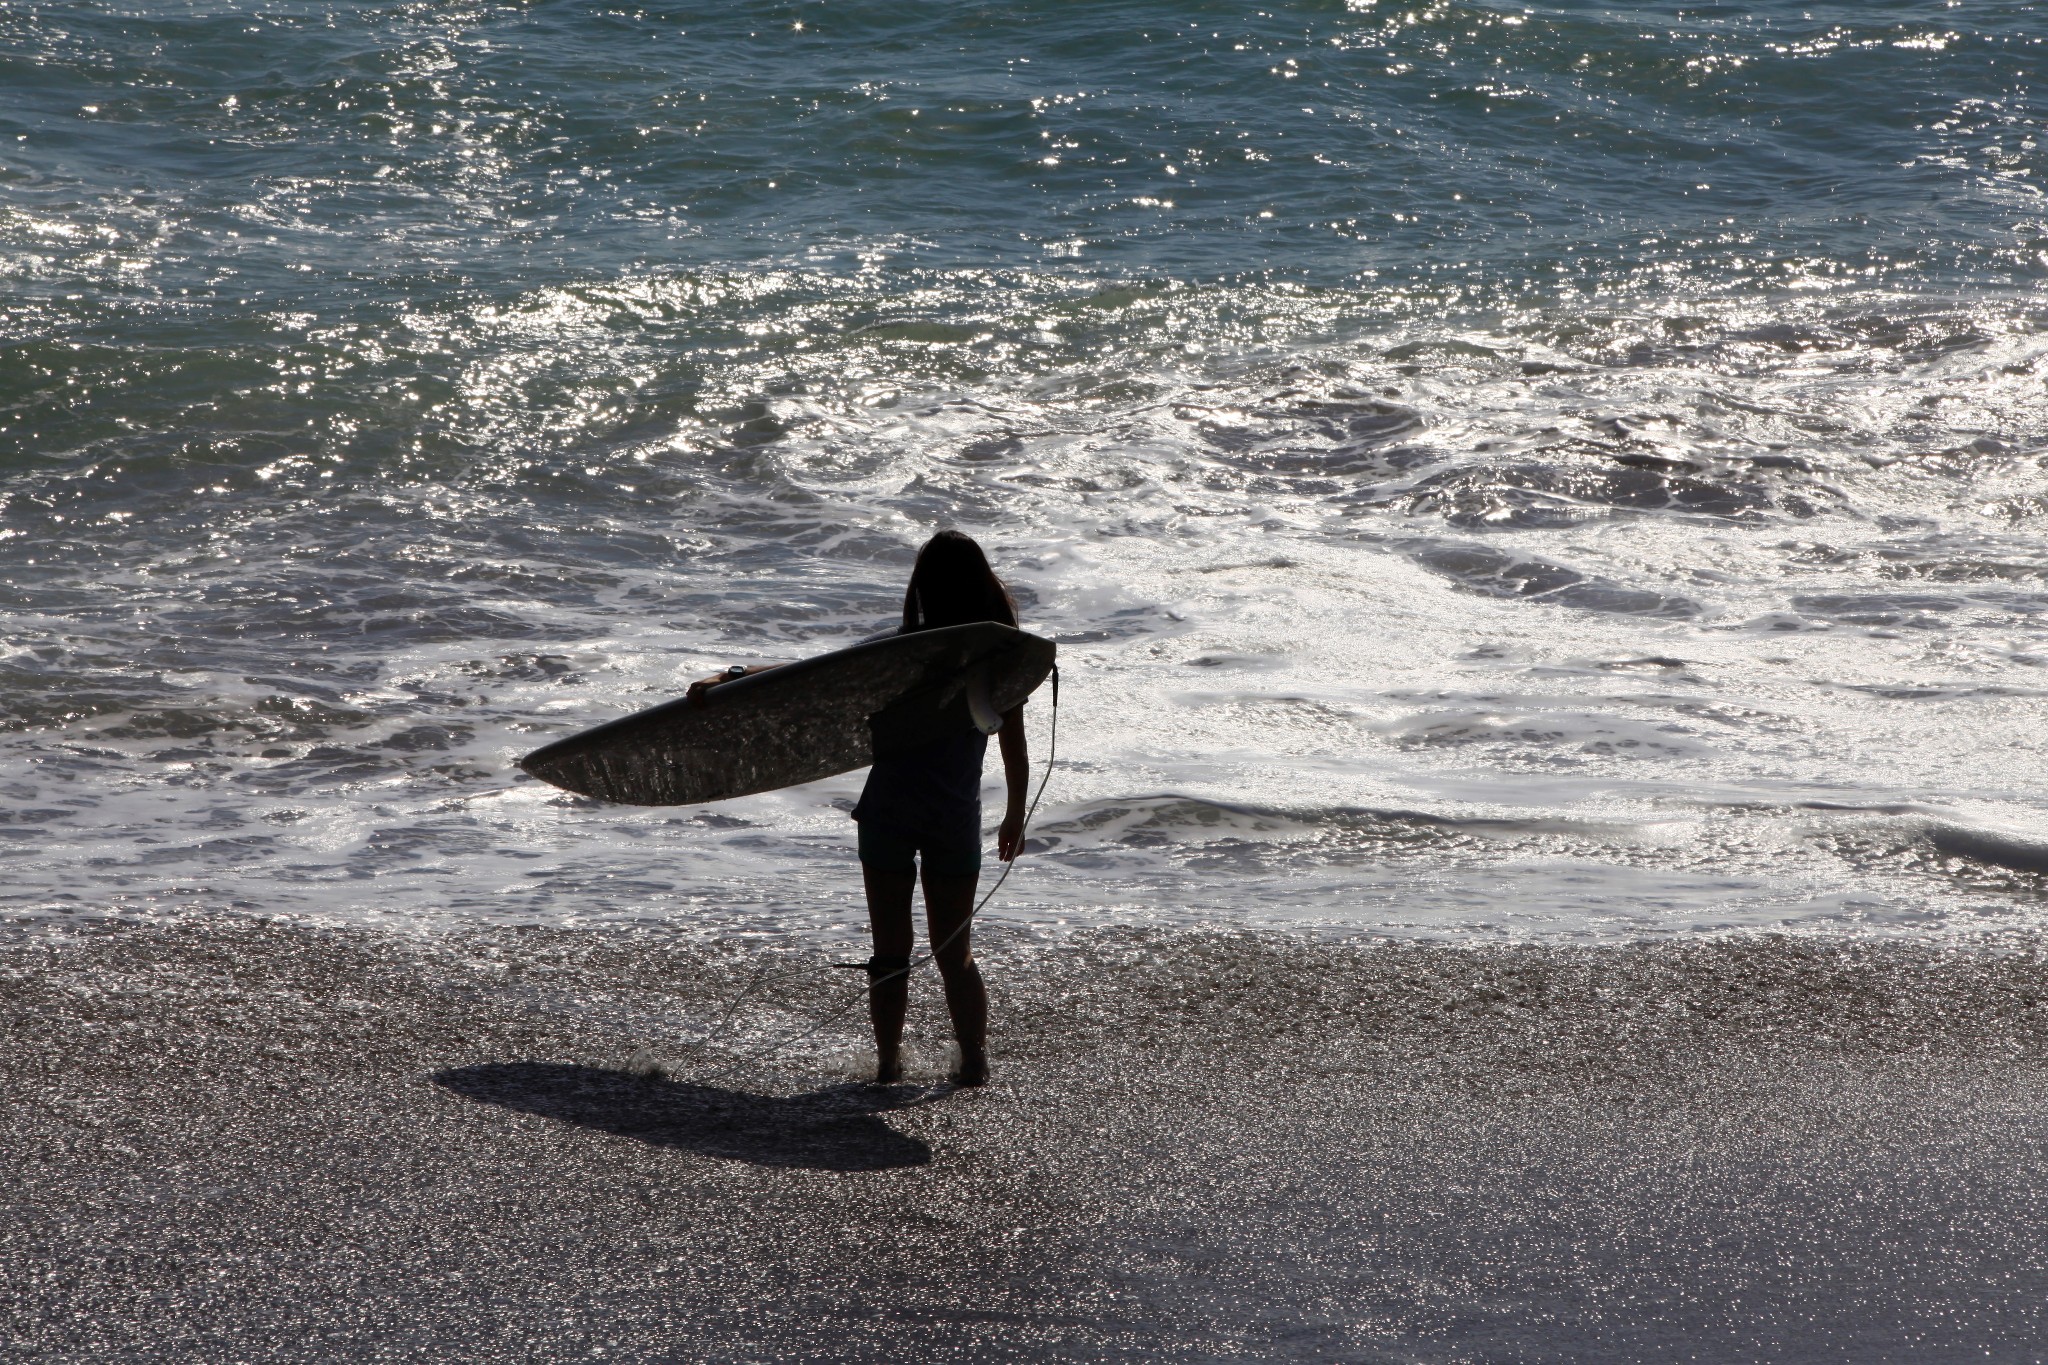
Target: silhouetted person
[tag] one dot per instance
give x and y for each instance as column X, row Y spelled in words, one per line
column 922, row 811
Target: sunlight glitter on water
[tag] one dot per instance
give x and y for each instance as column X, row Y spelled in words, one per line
column 1504, row 505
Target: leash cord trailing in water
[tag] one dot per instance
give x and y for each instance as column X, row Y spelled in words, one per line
column 761, row 976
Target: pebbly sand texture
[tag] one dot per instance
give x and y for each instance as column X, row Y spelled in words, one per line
column 238, row 1141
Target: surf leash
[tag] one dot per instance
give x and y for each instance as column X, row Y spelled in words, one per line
column 761, row 976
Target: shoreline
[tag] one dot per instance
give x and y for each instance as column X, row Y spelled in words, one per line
column 262, row 1141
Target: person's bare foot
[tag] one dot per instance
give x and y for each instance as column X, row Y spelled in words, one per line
column 888, row 1071
column 973, row 1069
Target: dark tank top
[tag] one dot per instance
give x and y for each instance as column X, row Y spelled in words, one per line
column 933, row 791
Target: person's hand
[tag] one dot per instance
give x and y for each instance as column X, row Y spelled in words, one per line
column 703, row 685
column 1010, row 838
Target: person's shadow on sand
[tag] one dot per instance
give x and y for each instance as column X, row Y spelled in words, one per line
column 836, row 1129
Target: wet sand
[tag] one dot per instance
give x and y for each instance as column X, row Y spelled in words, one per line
column 239, row 1141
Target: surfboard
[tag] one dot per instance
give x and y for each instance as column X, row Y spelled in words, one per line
column 805, row 720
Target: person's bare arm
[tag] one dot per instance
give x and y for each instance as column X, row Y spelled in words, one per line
column 1017, row 771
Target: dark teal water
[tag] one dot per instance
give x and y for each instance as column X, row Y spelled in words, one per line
column 405, row 149
column 259, row 215
column 1370, row 395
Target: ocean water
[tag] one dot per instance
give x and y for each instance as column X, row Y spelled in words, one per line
column 1561, row 472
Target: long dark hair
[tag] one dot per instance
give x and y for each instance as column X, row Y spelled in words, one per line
column 953, row 585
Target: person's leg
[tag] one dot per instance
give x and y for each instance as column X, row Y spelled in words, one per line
column 889, row 896
column 948, row 904
column 890, row 872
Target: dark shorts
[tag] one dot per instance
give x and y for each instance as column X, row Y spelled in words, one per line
column 893, row 850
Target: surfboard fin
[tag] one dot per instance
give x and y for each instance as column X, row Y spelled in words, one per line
column 986, row 718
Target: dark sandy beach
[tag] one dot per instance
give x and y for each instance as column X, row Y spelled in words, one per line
column 232, row 1141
